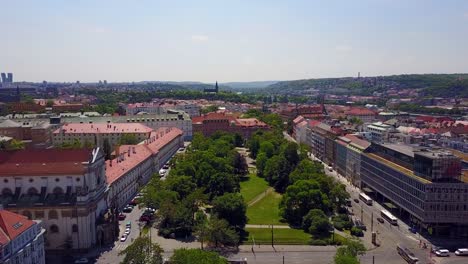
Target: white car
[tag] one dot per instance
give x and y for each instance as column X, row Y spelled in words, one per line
column 82, row 261
column 461, row 252
column 123, row 238
column 442, row 253
column 127, row 231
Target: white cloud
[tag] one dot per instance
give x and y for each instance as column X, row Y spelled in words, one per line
column 199, row 38
column 343, row 48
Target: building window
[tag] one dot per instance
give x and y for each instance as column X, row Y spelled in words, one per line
column 32, row 191
column 53, row 214
column 31, row 180
column 75, row 228
column 57, row 179
column 54, row 229
column 7, row 191
column 5, row 180
column 78, row 179
column 58, row 190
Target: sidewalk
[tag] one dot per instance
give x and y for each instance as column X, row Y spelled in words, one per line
column 286, row 248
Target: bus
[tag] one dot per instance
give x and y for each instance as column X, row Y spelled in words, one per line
column 407, row 255
column 365, row 198
column 389, row 217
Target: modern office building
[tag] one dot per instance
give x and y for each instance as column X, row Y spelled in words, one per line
column 422, row 185
column 21, row 239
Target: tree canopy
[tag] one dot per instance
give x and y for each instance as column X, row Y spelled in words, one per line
column 142, row 251
column 196, row 256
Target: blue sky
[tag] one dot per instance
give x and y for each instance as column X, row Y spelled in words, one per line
column 135, row 40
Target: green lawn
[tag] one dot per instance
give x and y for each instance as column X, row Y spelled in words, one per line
column 252, row 187
column 265, row 211
column 280, row 236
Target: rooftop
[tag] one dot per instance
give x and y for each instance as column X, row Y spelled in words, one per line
column 12, row 225
column 400, row 148
column 78, row 128
column 250, row 122
column 397, row 167
column 119, row 166
column 30, row 162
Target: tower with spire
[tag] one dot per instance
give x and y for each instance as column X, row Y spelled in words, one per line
column 211, row 90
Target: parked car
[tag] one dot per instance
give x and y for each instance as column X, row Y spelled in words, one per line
column 380, row 219
column 356, row 200
column 166, row 166
column 435, row 248
column 82, row 261
column 461, row 252
column 127, row 209
column 123, row 238
column 134, row 202
column 122, row 217
column 442, row 253
column 127, row 231
column 128, row 224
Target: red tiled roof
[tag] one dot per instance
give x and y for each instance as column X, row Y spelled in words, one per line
column 43, row 162
column 313, row 123
column 151, row 146
column 360, row 112
column 74, row 128
column 250, row 122
column 12, row 225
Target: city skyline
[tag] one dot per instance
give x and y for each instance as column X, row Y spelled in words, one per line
column 230, row 41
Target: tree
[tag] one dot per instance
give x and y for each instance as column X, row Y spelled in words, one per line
column 300, row 198
column 183, row 185
column 338, row 195
column 240, row 164
column 232, row 208
column 15, row 145
column 267, row 148
column 219, row 233
column 261, row 163
column 316, row 223
column 50, row 103
column 142, row 251
column 254, row 146
column 348, row 253
column 210, row 108
column 238, row 140
column 196, row 256
column 291, row 155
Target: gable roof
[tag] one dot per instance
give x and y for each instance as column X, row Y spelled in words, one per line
column 12, row 225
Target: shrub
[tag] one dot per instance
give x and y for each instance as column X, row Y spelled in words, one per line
column 356, row 231
column 318, row 242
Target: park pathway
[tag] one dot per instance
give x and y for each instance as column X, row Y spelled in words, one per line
column 259, row 197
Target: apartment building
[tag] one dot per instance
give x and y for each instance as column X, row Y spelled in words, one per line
column 134, row 165
column 21, row 239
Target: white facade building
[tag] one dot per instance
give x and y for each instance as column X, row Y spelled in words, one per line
column 63, row 188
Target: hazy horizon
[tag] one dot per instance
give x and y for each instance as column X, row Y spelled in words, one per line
column 230, row 41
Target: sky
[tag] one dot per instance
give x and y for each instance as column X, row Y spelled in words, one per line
column 224, row 40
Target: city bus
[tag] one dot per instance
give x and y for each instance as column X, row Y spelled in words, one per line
column 366, row 199
column 407, row 255
column 389, row 217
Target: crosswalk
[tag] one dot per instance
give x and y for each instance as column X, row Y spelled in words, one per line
column 120, row 247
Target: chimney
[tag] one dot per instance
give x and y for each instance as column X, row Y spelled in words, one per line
column 110, row 163
column 117, row 150
column 134, row 151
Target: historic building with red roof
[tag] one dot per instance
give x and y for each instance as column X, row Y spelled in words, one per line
column 219, row 121
column 96, row 134
column 21, row 239
column 63, row 188
column 133, row 165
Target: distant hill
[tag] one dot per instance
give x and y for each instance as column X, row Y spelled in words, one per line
column 437, row 85
column 249, row 85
